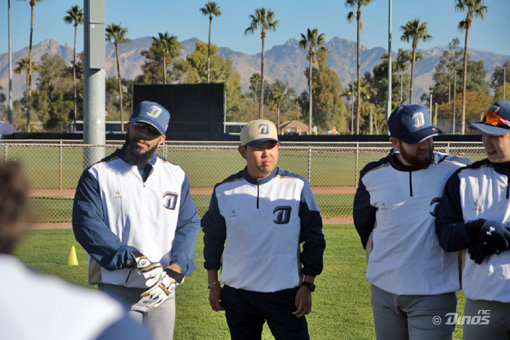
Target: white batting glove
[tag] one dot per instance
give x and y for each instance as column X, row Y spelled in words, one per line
column 150, row 271
column 155, row 296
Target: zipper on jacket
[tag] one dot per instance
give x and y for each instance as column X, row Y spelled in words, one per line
column 257, row 194
column 411, row 183
column 507, row 185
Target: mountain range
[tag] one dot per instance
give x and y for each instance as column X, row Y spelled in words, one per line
column 285, row 62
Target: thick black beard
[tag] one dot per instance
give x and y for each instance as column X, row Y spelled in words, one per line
column 415, row 162
column 132, row 156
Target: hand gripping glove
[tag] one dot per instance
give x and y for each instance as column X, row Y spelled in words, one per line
column 493, row 238
column 155, row 296
column 150, row 271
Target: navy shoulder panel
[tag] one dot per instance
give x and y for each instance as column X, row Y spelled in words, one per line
column 287, row 173
column 373, row 165
column 440, row 157
column 231, row 178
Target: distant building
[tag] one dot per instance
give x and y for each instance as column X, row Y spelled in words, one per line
column 291, row 127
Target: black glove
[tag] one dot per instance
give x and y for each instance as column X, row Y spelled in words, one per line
column 478, row 253
column 495, row 236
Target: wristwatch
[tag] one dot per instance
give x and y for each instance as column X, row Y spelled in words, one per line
column 308, row 285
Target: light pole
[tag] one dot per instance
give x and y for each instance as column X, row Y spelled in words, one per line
column 388, row 104
column 504, row 81
column 454, row 90
column 9, row 106
column 352, row 106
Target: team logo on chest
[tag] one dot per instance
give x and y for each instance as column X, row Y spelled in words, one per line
column 281, row 215
column 170, row 200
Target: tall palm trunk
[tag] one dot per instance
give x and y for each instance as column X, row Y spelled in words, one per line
column 209, row 51
column 29, row 75
column 164, row 68
column 74, row 78
column 120, row 88
column 412, row 75
column 464, row 77
column 310, row 54
column 358, row 69
column 261, row 101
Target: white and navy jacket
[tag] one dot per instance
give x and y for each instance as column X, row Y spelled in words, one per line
column 398, row 204
column 253, row 230
column 479, row 191
column 42, row 307
column 119, row 208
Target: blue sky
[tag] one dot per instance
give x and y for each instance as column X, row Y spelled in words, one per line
column 183, row 19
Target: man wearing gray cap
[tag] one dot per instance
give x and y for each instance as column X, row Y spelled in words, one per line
column 474, row 214
column 256, row 221
column 413, row 280
column 134, row 215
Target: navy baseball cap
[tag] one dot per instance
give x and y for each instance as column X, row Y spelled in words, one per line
column 151, row 113
column 496, row 121
column 411, row 124
column 6, row 129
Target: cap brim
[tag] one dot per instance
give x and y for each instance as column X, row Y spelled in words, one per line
column 421, row 135
column 490, row 129
column 141, row 120
column 260, row 141
column 6, row 129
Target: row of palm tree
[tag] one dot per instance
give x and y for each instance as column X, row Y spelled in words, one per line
column 414, row 31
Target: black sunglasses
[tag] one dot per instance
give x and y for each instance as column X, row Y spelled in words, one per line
column 144, row 126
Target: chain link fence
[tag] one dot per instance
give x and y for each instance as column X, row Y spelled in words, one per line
column 54, row 168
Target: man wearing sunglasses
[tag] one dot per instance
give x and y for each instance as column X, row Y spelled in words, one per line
column 413, row 280
column 474, row 214
column 134, row 215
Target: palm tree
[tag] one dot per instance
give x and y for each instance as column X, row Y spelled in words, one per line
column 475, row 8
column 117, row 34
column 264, row 19
column 357, row 4
column 310, row 41
column 32, row 4
column 414, row 31
column 211, row 8
column 168, row 46
column 23, row 66
column 74, row 16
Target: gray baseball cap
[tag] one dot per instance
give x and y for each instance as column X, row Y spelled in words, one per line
column 258, row 131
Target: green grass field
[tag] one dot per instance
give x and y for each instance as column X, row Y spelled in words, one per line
column 341, row 303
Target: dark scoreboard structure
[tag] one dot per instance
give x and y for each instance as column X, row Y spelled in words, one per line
column 197, row 111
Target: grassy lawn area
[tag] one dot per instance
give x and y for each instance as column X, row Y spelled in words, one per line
column 341, row 304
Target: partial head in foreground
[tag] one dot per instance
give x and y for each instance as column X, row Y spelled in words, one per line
column 495, row 127
column 411, row 131
column 13, row 205
column 260, row 147
column 146, row 131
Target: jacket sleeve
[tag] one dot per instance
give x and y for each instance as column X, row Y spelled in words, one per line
column 91, row 230
column 188, row 223
column 363, row 213
column 311, row 233
column 215, row 234
column 451, row 230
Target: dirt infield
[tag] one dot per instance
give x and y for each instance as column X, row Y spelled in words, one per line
column 69, row 193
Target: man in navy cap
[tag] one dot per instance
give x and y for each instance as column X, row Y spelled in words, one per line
column 474, row 214
column 134, row 215
column 413, row 279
